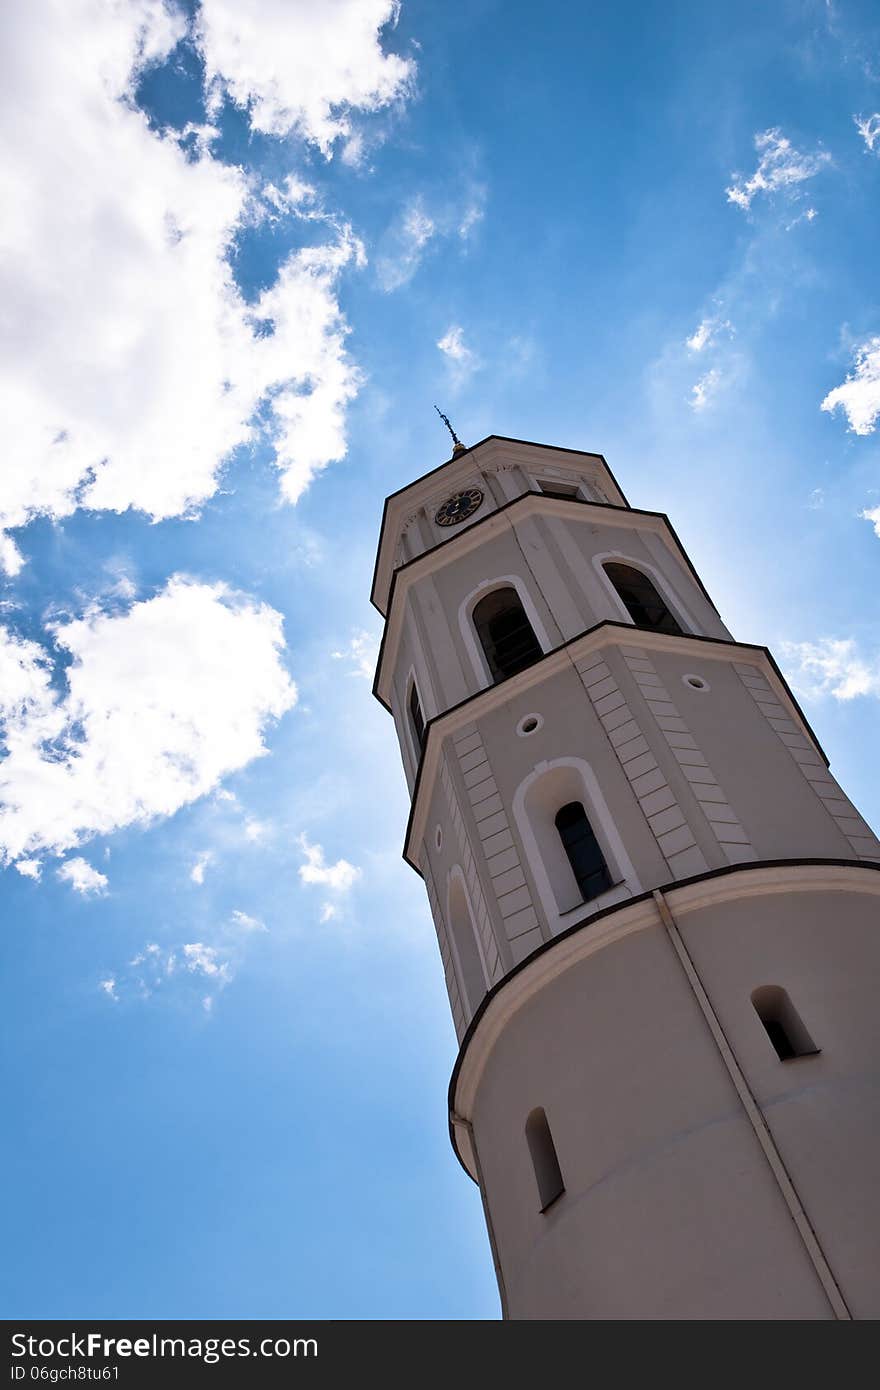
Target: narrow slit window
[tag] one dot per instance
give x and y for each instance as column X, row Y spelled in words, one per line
column 416, row 718
column 548, row 1174
column 506, row 635
column 583, row 851
column 782, row 1023
column 641, row 599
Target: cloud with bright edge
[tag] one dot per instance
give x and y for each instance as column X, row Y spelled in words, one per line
column 298, row 66
column 339, row 877
column 405, row 243
column 832, row 666
column 859, row 395
column 82, row 877
column 872, row 514
column 361, row 653
column 781, row 167
column 704, row 391
column 707, row 332
column 162, row 700
column 197, row 872
column 461, row 359
column 136, row 367
column 869, row 129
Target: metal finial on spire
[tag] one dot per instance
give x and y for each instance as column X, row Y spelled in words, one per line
column 457, row 446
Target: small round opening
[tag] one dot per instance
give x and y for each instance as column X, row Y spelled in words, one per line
column 529, row 724
column 695, row 682
column 438, row 838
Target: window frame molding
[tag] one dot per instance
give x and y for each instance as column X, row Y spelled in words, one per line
column 665, row 589
column 625, row 880
column 470, row 636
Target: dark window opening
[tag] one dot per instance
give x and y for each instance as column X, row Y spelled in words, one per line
column 782, row 1023
column 506, row 634
column 548, row 1174
column 584, row 855
column 641, row 599
column 417, row 719
column 559, row 490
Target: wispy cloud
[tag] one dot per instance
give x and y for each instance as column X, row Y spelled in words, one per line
column 704, row 391
column 421, row 223
column 82, row 877
column 872, row 514
column 244, row 922
column 869, row 129
column 339, row 877
column 162, row 701
column 781, row 168
column 859, row 395
column 184, row 970
column 707, row 332
column 361, row 654
column 832, row 666
column 461, row 359
column 203, row 860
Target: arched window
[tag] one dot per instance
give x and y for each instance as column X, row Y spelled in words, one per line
column 782, row 1023
column 582, row 849
column 416, row 719
column 506, row 634
column 641, row 599
column 548, row 1174
column 464, row 937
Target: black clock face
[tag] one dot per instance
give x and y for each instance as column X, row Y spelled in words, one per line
column 459, row 507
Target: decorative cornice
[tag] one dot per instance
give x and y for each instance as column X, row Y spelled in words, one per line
column 606, row 929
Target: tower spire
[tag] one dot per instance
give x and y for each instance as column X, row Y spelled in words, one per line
column 457, row 446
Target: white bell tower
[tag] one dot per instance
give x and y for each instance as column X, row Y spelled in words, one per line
column 658, row 913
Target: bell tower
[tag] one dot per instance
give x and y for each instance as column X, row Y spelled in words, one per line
column 658, row 913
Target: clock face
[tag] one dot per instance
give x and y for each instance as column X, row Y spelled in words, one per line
column 459, row 507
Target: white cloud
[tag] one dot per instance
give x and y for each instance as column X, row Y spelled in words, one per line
column 405, row 245
column 869, row 129
column 362, row 653
column 832, row 666
column 243, row 922
column 136, row 367
column 339, row 877
column 816, row 499
column 780, row 167
column 301, row 66
column 31, row 868
column 461, row 359
column 809, row 215
column 203, row 860
column 859, row 395
column 205, row 960
column 109, row 987
column 162, row 701
column 706, row 333
column 255, row 830
column 872, row 514
column 81, row 876
column 704, row 391
column 329, row 912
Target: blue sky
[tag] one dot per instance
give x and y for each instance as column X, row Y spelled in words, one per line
column 247, row 246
